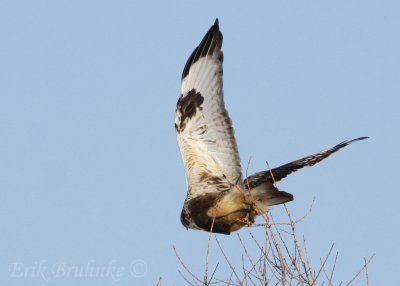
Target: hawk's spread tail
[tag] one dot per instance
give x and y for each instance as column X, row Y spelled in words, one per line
column 266, row 195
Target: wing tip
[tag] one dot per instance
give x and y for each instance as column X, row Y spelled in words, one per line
column 216, row 23
column 211, row 42
column 348, row 142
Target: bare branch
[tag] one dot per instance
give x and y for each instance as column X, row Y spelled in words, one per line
column 361, row 270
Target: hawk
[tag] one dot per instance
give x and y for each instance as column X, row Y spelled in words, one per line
column 218, row 199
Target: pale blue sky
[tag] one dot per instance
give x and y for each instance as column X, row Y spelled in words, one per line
column 90, row 172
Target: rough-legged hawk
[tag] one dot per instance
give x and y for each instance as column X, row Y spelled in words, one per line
column 218, row 199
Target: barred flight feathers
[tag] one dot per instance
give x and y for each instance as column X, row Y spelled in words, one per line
column 277, row 174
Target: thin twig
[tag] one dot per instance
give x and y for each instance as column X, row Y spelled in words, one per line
column 358, row 273
column 333, row 268
column 185, row 267
column 212, row 275
column 366, row 271
column 247, row 255
column 184, row 278
column 226, row 259
column 324, row 262
column 208, row 251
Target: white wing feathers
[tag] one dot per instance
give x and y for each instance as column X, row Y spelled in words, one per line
column 204, row 129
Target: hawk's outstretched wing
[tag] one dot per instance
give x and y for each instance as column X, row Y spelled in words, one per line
column 203, row 127
column 284, row 170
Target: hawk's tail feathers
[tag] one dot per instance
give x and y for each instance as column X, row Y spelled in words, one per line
column 266, row 195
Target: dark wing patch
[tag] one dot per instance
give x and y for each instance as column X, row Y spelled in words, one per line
column 211, row 41
column 284, row 170
column 187, row 106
